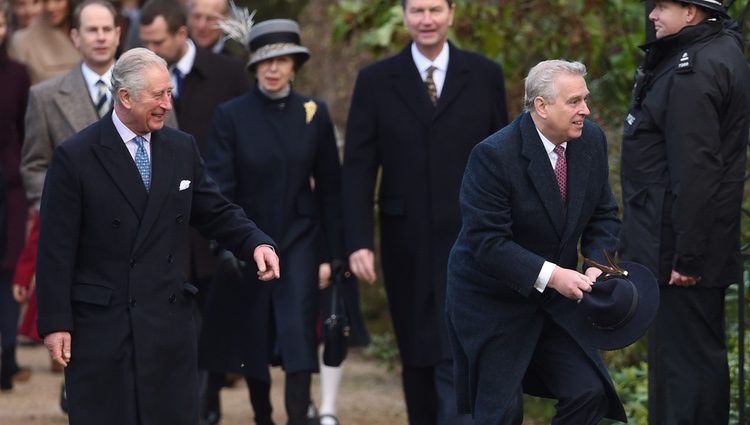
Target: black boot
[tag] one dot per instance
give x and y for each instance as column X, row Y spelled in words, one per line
column 211, row 411
column 10, row 372
column 297, row 397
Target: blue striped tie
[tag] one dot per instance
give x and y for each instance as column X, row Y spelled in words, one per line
column 142, row 162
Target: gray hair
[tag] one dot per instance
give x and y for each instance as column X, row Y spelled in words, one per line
column 128, row 71
column 541, row 80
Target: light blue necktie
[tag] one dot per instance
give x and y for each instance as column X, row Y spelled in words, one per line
column 142, row 162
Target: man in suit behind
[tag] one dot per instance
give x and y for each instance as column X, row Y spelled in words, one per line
column 417, row 115
column 115, row 307
column 60, row 107
column 531, row 193
column 203, row 81
column 203, row 21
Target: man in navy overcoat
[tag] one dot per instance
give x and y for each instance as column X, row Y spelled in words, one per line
column 115, row 306
column 531, row 193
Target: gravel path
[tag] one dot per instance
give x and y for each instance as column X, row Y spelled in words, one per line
column 369, row 395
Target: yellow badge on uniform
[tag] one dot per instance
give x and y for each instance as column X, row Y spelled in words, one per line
column 310, row 108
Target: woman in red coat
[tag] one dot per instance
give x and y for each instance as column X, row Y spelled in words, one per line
column 23, row 281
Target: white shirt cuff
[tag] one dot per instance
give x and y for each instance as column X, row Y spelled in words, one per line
column 544, row 275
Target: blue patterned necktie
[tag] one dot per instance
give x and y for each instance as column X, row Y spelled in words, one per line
column 179, row 78
column 142, row 162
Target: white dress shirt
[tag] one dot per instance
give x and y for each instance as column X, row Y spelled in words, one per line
column 91, row 77
column 129, row 137
column 440, row 63
column 185, row 65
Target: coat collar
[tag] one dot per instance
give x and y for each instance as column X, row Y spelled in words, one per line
column 73, row 100
column 410, row 87
column 563, row 217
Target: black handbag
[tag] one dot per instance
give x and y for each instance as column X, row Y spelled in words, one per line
column 336, row 327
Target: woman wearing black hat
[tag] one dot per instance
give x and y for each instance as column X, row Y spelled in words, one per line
column 267, row 150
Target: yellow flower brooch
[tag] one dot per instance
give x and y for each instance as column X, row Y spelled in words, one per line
column 310, row 108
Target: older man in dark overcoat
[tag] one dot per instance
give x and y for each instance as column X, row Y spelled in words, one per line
column 417, row 116
column 531, row 193
column 115, row 306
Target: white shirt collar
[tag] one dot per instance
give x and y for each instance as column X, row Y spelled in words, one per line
column 550, row 147
column 440, row 62
column 125, row 133
column 91, row 77
column 219, row 45
column 186, row 62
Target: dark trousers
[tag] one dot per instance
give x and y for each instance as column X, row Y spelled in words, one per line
column 430, row 396
column 297, row 397
column 572, row 378
column 687, row 357
column 9, row 311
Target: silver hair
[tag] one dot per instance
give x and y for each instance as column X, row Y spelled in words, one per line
column 541, row 80
column 128, row 71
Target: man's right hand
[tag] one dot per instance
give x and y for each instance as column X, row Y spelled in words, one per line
column 569, row 283
column 58, row 345
column 362, row 264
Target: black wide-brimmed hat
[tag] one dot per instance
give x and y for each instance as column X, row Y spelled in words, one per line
column 620, row 307
column 274, row 38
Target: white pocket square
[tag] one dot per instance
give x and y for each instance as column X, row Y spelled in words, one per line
column 184, row 184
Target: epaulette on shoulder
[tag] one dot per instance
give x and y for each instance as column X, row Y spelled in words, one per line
column 685, row 61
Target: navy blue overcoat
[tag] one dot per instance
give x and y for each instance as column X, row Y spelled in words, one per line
column 514, row 220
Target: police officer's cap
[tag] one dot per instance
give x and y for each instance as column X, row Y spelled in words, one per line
column 713, row 5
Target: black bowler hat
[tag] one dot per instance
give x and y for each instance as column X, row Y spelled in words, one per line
column 274, row 38
column 620, row 307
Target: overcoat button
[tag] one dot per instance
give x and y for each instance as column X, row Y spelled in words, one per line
column 170, row 259
column 116, row 223
column 179, row 219
column 132, row 302
column 172, row 298
column 132, row 263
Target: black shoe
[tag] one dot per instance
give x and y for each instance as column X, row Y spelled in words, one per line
column 212, row 417
column 330, row 417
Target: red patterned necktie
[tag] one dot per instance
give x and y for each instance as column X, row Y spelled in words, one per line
column 561, row 171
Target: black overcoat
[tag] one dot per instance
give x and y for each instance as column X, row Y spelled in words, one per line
column 513, row 221
column 110, row 270
column 213, row 80
column 263, row 154
column 422, row 150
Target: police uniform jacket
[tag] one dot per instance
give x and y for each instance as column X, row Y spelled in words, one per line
column 683, row 155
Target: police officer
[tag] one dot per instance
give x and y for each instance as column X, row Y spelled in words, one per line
column 683, row 162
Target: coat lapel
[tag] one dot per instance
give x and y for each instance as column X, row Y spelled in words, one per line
column 579, row 161
column 162, row 172
column 541, row 174
column 410, row 88
column 114, row 156
column 455, row 79
column 74, row 100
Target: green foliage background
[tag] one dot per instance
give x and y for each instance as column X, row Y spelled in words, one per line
column 518, row 34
